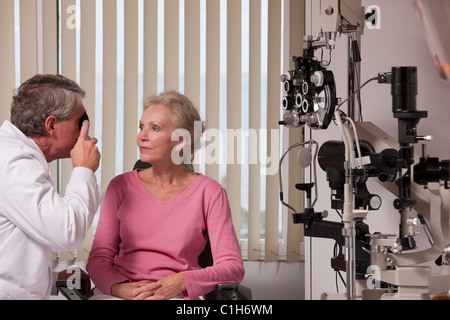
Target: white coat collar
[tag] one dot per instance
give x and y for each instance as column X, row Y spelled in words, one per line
column 13, row 131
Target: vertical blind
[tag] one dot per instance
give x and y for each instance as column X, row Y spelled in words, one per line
column 225, row 55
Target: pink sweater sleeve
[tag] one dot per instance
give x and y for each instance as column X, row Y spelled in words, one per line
column 228, row 265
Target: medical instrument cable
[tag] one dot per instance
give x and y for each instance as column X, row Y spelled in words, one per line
column 359, row 89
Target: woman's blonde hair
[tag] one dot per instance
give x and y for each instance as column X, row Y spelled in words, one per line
column 184, row 115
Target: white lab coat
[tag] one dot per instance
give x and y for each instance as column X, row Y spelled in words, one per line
column 34, row 219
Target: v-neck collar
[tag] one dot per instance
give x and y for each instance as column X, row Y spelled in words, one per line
column 180, row 197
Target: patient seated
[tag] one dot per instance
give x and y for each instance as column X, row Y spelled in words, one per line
column 143, row 240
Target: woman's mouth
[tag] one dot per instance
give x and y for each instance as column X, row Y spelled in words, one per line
column 143, row 149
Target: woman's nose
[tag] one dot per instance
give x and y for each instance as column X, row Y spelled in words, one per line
column 142, row 136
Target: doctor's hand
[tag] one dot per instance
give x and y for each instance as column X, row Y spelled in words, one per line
column 85, row 152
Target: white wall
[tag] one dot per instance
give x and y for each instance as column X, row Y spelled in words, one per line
column 275, row 280
column 399, row 42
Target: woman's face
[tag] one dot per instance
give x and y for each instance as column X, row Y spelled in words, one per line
column 154, row 138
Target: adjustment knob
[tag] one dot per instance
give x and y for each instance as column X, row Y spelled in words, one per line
column 374, row 202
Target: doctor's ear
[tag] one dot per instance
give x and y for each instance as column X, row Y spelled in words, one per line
column 50, row 125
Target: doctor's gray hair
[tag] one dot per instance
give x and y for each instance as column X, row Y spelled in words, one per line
column 42, row 96
column 184, row 115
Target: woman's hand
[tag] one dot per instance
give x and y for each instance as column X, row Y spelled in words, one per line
column 134, row 290
column 164, row 289
column 169, row 287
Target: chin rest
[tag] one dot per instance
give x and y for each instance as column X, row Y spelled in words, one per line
column 74, row 284
column 230, row 291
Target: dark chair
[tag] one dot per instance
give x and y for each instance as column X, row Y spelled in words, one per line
column 224, row 291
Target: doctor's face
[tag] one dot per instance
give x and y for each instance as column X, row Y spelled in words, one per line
column 67, row 133
column 154, row 138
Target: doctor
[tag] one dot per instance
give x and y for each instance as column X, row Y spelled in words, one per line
column 46, row 115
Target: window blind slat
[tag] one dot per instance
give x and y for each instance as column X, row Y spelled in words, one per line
column 28, row 39
column 192, row 51
column 68, row 42
column 192, row 56
column 109, row 107
column 273, row 113
column 171, row 44
column 234, row 81
column 254, row 207
column 212, row 85
column 87, row 82
column 87, row 58
column 150, row 49
column 50, row 37
column 131, row 101
column 294, row 231
column 7, row 59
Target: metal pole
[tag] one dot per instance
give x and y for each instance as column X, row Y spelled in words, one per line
column 350, row 265
column 351, row 80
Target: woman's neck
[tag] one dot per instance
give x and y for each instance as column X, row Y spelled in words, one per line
column 168, row 175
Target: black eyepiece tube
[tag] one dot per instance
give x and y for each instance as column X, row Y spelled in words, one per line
column 82, row 119
column 404, row 89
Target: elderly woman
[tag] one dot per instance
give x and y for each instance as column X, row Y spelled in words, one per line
column 155, row 222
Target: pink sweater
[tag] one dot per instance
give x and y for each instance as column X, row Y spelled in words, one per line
column 141, row 238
